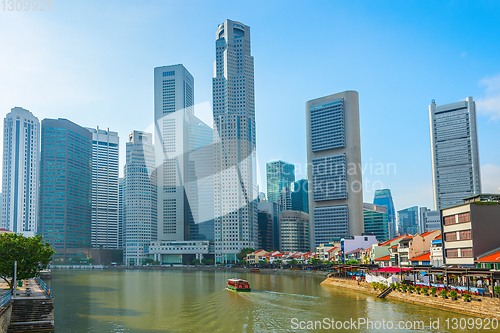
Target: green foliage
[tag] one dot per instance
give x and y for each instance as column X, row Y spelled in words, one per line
column 352, row 262
column 195, row 262
column 411, row 288
column 404, row 287
column 293, row 262
column 453, row 294
column 374, row 285
column 244, row 252
column 425, row 290
column 31, row 253
column 433, row 290
column 393, row 285
column 156, row 262
column 444, row 293
column 497, row 290
column 466, row 296
column 148, row 261
column 315, row 261
column 206, row 261
column 418, row 289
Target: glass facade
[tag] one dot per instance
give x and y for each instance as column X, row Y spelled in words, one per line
column 408, row 221
column 384, row 198
column 300, row 196
column 376, row 221
column 65, row 186
column 280, row 177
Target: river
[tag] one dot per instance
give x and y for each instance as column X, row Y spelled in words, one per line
column 197, row 301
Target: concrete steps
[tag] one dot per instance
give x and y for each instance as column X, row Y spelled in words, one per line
column 32, row 315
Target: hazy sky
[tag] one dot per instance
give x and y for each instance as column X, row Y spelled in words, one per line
column 92, row 63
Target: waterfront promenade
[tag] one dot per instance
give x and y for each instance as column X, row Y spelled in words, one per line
column 487, row 307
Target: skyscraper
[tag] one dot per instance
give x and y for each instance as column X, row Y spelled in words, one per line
column 140, row 195
column 121, row 211
column 384, row 198
column 376, row 221
column 455, row 152
column 334, row 160
column 429, row 220
column 300, row 196
column 65, row 200
column 280, row 177
column 294, row 231
column 235, row 183
column 21, row 134
column 408, row 221
column 174, row 99
column 104, row 188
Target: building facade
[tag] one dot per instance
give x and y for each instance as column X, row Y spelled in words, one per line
column 105, row 149
column 21, row 136
column 140, row 198
column 65, row 196
column 384, row 198
column 174, row 101
column 280, row 177
column 265, row 231
column 429, row 220
column 376, row 221
column 121, row 210
column 300, row 196
column 455, row 152
column 294, row 231
column 408, row 221
column 333, row 149
column 235, row 179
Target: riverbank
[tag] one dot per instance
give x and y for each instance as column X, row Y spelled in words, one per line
column 488, row 307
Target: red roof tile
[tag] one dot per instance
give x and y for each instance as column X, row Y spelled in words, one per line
column 386, row 258
column 428, row 232
column 332, row 249
column 423, row 257
column 437, row 237
column 390, row 241
column 494, row 257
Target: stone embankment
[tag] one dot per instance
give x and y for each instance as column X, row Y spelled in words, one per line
column 488, row 307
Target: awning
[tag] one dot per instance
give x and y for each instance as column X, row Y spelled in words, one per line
column 391, row 270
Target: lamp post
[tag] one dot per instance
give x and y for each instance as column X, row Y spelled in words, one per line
column 15, row 279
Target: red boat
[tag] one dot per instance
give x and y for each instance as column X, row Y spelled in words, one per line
column 238, row 285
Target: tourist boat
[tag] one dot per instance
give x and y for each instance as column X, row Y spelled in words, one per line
column 238, row 285
column 255, row 270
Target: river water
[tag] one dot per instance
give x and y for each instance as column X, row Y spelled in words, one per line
column 197, row 301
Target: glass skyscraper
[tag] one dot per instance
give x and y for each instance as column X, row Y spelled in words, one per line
column 408, row 221
column 21, row 134
column 65, row 200
column 300, row 196
column 384, row 198
column 280, row 177
column 455, row 152
column 235, row 177
column 377, row 221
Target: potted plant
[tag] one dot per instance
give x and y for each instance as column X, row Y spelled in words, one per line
column 398, row 286
column 444, row 293
column 453, row 295
column 418, row 289
column 497, row 291
column 374, row 285
column 393, row 286
column 411, row 288
column 434, row 291
column 403, row 287
column 466, row 297
column 425, row 290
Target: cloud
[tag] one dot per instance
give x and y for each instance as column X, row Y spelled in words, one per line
column 490, row 178
column 489, row 105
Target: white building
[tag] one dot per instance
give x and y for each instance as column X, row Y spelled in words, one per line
column 294, row 231
column 21, row 137
column 334, row 160
column 235, row 183
column 105, row 148
column 455, row 153
column 140, row 196
column 179, row 252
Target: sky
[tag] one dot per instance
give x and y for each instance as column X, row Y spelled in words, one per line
column 92, row 62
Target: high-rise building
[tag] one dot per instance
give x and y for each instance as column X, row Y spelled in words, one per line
column 65, row 196
column 408, row 221
column 265, row 231
column 300, row 196
column 273, row 209
column 280, row 177
column 174, row 100
column 294, row 231
column 121, row 211
column 334, row 160
column 455, row 152
column 384, row 198
column 235, row 182
column 21, row 136
column 430, row 220
column 105, row 146
column 140, row 196
column 376, row 221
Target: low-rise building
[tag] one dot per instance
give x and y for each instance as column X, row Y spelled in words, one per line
column 322, row 250
column 383, row 249
column 437, row 251
column 255, row 257
column 384, row 261
column 179, row 252
column 421, row 260
column 356, row 242
column 490, row 260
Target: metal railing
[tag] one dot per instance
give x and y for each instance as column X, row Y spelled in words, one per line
column 5, row 299
column 44, row 286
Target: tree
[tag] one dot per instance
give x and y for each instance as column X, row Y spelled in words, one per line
column 148, row 261
column 244, row 252
column 195, row 262
column 156, row 262
column 293, row 262
column 315, row 261
column 31, row 253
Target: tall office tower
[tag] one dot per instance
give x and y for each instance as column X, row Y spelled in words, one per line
column 121, row 211
column 384, row 198
column 280, row 177
column 334, row 173
column 21, row 134
column 300, row 196
column 294, row 231
column 235, row 182
column 455, row 152
column 174, row 99
column 430, row 220
column 265, row 231
column 140, row 195
column 377, row 221
column 104, row 188
column 65, row 196
column 273, row 209
column 408, row 221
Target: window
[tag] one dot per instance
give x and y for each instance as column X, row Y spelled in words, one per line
column 452, row 253
column 450, row 236
column 465, row 234
column 464, row 217
column 449, row 220
column 466, row 252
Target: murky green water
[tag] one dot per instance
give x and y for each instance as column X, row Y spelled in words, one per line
column 184, row 301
